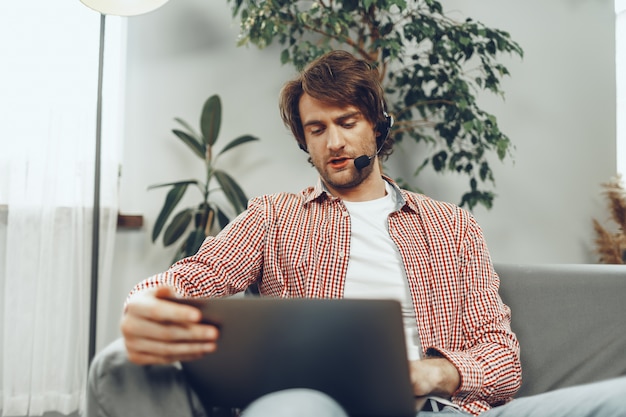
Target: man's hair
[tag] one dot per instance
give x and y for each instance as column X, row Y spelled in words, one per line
column 339, row 79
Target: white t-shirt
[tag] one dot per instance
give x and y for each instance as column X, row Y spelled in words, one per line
column 375, row 268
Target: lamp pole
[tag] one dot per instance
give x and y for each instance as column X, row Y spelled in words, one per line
column 117, row 8
column 95, row 240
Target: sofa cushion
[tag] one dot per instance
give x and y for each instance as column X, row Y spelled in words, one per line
column 570, row 321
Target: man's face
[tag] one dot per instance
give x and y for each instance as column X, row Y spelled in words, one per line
column 335, row 136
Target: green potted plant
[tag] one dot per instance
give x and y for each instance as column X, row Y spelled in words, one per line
column 431, row 67
column 198, row 221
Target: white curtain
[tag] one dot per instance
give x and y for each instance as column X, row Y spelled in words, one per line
column 48, row 86
column 620, row 71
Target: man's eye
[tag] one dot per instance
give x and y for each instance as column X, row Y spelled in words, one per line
column 316, row 131
column 348, row 125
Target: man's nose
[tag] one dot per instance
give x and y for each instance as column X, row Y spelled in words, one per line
column 335, row 138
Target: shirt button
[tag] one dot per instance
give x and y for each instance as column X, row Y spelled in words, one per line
column 345, row 214
column 341, row 254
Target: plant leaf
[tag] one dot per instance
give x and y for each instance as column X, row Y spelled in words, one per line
column 177, row 227
column 211, row 119
column 197, row 147
column 232, row 190
column 180, row 254
column 239, row 141
column 171, row 200
column 194, row 241
column 187, row 126
column 167, row 184
column 222, row 218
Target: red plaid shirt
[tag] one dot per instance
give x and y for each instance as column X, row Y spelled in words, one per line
column 297, row 245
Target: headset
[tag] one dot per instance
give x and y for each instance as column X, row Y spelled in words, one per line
column 383, row 128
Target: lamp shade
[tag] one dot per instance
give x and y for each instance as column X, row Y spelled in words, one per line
column 124, row 7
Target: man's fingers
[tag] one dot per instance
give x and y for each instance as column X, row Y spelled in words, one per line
column 139, row 327
column 145, row 358
column 164, row 291
column 144, row 351
column 156, row 308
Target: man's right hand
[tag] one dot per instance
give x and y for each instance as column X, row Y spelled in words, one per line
column 159, row 331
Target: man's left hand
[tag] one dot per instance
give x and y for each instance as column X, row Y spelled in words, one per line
column 434, row 376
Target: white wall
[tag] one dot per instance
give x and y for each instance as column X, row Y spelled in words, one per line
column 559, row 112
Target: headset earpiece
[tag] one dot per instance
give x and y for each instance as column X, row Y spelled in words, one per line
column 383, row 129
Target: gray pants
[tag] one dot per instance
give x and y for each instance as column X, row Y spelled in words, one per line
column 120, row 388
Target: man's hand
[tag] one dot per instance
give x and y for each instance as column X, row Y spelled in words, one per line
column 434, row 376
column 159, row 331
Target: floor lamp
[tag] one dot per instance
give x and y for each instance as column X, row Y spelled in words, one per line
column 115, row 8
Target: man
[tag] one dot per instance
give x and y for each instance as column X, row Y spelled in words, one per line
column 355, row 234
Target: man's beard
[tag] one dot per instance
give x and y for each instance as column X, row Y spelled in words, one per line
column 357, row 177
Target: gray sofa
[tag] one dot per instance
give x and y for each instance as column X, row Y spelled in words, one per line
column 570, row 321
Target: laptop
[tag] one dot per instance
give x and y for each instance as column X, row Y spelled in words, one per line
column 351, row 349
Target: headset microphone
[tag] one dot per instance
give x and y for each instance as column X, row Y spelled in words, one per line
column 364, row 160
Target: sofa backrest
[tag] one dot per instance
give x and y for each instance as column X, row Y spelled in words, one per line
column 570, row 321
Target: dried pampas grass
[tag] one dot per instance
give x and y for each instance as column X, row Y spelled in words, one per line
column 611, row 246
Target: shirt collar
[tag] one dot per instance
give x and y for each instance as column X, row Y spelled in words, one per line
column 320, row 192
column 317, row 192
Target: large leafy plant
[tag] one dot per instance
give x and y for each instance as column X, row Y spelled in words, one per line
column 431, row 67
column 197, row 222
